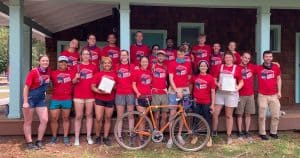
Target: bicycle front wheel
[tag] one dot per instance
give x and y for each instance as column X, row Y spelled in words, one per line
column 192, row 135
column 133, row 130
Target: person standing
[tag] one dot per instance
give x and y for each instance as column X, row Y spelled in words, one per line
column 232, row 48
column 61, row 99
column 201, row 51
column 72, row 53
column 83, row 95
column 216, row 58
column 94, row 49
column 105, row 101
column 269, row 93
column 171, row 52
column 34, row 95
column 111, row 49
column 138, row 50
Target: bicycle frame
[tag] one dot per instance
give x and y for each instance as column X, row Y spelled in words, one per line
column 149, row 110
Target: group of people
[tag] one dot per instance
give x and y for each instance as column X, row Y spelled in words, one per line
column 144, row 77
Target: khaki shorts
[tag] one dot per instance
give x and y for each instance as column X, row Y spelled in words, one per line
column 246, row 105
column 229, row 99
column 160, row 99
column 83, row 101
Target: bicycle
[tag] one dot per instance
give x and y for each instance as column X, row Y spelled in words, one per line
column 193, row 128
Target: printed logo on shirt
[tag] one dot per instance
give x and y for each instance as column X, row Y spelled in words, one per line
column 63, row 78
column 181, row 70
column 72, row 61
column 44, row 79
column 123, row 73
column 113, row 54
column 200, row 84
column 170, row 55
column 94, row 55
column 154, row 60
column 159, row 73
column 246, row 73
column 201, row 53
column 267, row 74
column 216, row 61
column 139, row 54
column 146, row 79
column 187, row 59
column 86, row 74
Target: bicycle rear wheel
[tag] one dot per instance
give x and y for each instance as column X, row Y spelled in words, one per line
column 136, row 137
column 194, row 135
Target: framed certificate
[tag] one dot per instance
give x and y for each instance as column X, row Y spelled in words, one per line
column 106, row 85
column 228, row 83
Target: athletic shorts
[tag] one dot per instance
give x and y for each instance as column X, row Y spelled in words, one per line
column 60, row 104
column 127, row 99
column 108, row 104
column 160, row 99
column 83, row 101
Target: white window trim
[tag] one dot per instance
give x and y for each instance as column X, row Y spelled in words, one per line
column 188, row 25
column 164, row 32
column 297, row 76
column 278, row 28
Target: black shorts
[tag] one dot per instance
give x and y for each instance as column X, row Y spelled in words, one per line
column 108, row 104
column 143, row 102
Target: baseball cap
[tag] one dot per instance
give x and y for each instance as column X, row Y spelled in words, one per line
column 161, row 52
column 63, row 58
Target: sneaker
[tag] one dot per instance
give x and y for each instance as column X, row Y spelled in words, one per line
column 180, row 139
column 98, row 140
column 76, row 142
column 209, row 143
column 31, row 146
column 274, row 136
column 240, row 135
column 264, row 137
column 66, row 141
column 214, row 133
column 39, row 144
column 89, row 140
column 107, row 141
column 247, row 135
column 229, row 140
column 53, row 140
column 169, row 143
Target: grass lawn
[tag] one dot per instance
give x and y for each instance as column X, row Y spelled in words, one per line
column 288, row 146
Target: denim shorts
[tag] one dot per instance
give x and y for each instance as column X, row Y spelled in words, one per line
column 60, row 104
column 36, row 102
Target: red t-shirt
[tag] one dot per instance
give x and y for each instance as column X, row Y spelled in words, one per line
column 152, row 61
column 171, row 55
column 113, row 53
column 215, row 62
column 248, row 73
column 267, row 79
column 201, row 53
column 124, row 78
column 143, row 81
column 181, row 72
column 95, row 55
column 62, row 84
column 238, row 59
column 159, row 79
column 97, row 80
column 229, row 70
column 203, row 84
column 138, row 51
column 83, row 89
column 72, row 57
column 35, row 78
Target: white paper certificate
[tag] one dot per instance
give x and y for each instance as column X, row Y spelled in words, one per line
column 228, row 83
column 106, row 84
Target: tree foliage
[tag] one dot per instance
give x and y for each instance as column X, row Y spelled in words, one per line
column 3, row 49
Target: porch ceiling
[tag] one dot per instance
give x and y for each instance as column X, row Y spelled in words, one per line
column 60, row 15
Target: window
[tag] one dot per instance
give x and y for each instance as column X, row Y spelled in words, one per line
column 275, row 38
column 189, row 32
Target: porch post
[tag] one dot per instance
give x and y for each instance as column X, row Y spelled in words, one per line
column 26, row 53
column 16, row 22
column 124, row 25
column 262, row 39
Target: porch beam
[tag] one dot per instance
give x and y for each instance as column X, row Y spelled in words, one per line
column 28, row 21
column 262, row 38
column 16, row 21
column 124, row 25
